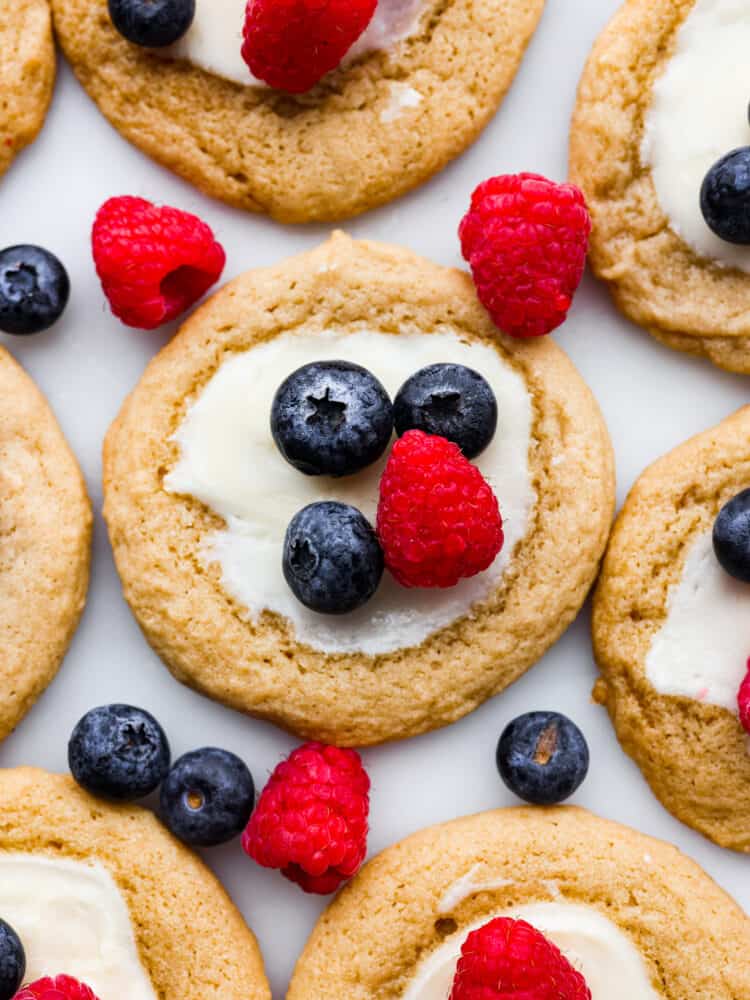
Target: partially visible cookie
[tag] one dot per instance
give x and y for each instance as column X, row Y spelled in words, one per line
column 198, row 500
column 671, row 634
column 368, row 133
column 620, row 905
column 641, row 168
column 27, row 73
column 103, row 893
column 45, row 540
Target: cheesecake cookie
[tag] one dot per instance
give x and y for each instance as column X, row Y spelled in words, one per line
column 671, row 634
column 27, row 73
column 375, row 128
column 45, row 520
column 663, row 99
column 619, row 905
column 104, row 894
column 198, row 500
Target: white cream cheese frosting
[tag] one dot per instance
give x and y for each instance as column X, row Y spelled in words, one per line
column 72, row 919
column 698, row 113
column 612, row 966
column 214, row 40
column 229, row 461
column 702, row 648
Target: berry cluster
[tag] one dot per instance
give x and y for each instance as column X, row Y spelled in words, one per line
column 438, row 520
column 310, row 820
column 120, row 752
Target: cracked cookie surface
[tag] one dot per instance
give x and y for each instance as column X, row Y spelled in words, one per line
column 257, row 665
column 694, row 755
column 27, row 73
column 326, row 155
column 45, row 520
column 685, row 301
column 404, row 903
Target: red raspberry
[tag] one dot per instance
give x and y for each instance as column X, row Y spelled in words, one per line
column 311, row 820
column 526, row 240
column 154, row 262
column 510, row 958
column 59, row 988
column 743, row 701
column 292, row 44
column 438, row 519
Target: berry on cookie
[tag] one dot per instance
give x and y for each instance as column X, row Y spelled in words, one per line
column 526, row 239
column 292, row 44
column 438, row 519
column 743, row 701
column 154, row 262
column 56, row 988
column 12, row 961
column 311, row 821
column 509, row 958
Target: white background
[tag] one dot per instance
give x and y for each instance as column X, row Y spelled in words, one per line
column 652, row 399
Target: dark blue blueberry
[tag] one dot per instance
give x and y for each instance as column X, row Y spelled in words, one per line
column 152, row 23
column 118, row 752
column 12, row 962
column 725, row 197
column 542, row 757
column 34, row 289
column 207, row 797
column 450, row 400
column 332, row 559
column 732, row 536
column 331, row 418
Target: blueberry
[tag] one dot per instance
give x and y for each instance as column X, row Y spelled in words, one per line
column 207, row 797
column 450, row 400
column 542, row 757
column 732, row 536
column 118, row 752
column 332, row 559
column 331, row 418
column 12, row 962
column 152, row 23
column 34, row 289
column 725, row 197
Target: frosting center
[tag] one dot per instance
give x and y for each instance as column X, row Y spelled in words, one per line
column 698, row 113
column 609, row 961
column 72, row 919
column 229, row 461
column 214, row 39
column 702, row 648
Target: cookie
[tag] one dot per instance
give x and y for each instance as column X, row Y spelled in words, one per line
column 648, row 125
column 198, row 499
column 368, row 133
column 27, row 74
column 671, row 636
column 103, row 893
column 46, row 540
column 620, row 905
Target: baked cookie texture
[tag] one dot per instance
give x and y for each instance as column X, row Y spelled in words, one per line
column 45, row 524
column 192, row 941
column 328, row 154
column 27, row 74
column 693, row 755
column 685, row 301
column 258, row 667
column 369, row 942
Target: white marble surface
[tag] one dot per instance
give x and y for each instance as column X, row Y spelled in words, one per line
column 652, row 399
